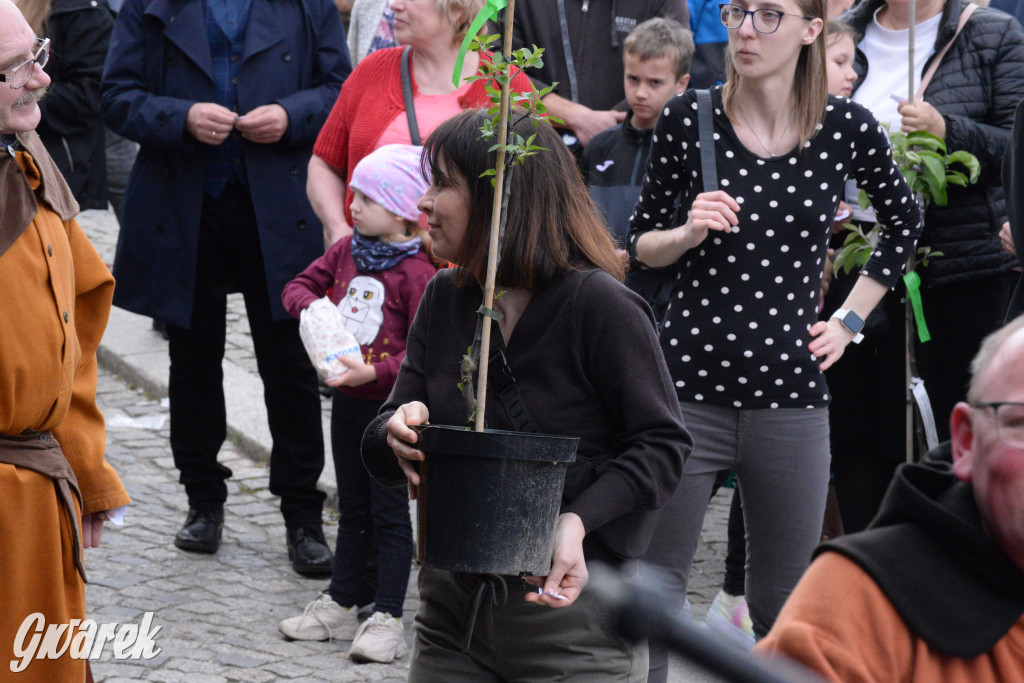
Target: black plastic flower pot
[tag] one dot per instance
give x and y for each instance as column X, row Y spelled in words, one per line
column 488, row 501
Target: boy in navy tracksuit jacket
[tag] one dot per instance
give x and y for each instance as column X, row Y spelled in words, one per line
column 656, row 56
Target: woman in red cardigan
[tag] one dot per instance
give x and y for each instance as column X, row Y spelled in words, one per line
column 371, row 110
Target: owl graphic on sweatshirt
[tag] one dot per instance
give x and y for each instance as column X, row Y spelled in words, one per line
column 362, row 308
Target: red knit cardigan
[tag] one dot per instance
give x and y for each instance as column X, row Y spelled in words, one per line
column 370, row 100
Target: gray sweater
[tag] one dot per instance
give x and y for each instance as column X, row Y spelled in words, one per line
column 363, row 23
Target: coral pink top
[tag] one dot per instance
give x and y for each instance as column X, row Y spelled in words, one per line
column 431, row 110
column 370, row 101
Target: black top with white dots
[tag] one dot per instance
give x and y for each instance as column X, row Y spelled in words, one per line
column 736, row 330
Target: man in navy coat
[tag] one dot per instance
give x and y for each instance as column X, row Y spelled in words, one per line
column 226, row 98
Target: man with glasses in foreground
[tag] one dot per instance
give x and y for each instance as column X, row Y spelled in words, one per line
column 55, row 487
column 18, row 76
column 934, row 588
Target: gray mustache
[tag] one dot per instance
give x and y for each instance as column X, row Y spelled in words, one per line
column 31, row 96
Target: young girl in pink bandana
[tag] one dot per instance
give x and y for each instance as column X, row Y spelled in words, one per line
column 376, row 278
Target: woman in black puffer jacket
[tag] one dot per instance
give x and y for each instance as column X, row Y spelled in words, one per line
column 71, row 128
column 970, row 103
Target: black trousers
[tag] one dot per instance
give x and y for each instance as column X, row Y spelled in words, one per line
column 230, row 260
column 868, row 411
column 959, row 316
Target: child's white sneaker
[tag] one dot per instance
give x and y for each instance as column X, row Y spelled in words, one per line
column 729, row 616
column 379, row 639
column 323, row 619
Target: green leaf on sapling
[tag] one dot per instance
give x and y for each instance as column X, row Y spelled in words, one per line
column 862, row 200
column 968, row 160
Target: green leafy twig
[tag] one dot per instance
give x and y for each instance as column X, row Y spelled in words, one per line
column 506, row 111
column 923, row 160
column 529, row 105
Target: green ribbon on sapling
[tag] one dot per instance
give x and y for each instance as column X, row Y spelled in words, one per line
column 488, row 12
column 913, row 282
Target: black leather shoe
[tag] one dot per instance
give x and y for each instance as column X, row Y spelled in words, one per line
column 308, row 551
column 202, row 530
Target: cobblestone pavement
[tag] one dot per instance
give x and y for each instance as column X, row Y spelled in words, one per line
column 219, row 613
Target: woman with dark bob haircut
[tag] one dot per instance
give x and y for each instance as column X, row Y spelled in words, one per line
column 584, row 353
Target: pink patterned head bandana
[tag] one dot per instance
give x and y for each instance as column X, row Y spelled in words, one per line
column 391, row 176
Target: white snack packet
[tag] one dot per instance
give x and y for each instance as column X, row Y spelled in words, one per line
column 326, row 340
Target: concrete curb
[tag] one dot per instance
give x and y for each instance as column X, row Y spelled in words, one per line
column 132, row 350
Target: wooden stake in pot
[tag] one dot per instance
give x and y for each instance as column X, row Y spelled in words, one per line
column 909, row 364
column 492, row 252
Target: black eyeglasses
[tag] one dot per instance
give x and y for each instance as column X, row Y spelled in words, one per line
column 765, row 20
column 1009, row 419
column 22, row 74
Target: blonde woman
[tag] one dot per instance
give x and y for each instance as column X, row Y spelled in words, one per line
column 372, row 112
column 740, row 335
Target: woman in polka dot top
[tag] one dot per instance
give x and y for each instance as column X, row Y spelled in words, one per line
column 740, row 334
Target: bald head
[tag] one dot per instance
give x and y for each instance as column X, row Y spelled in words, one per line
column 12, row 28
column 986, row 443
column 992, row 356
column 8, row 12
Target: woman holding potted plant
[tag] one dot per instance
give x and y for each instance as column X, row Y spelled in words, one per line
column 740, row 335
column 583, row 351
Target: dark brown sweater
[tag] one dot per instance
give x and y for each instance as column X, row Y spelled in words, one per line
column 588, row 363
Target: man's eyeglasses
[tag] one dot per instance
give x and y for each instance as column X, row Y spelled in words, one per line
column 21, row 74
column 764, row 20
column 1009, row 419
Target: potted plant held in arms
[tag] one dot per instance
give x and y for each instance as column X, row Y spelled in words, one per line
column 488, row 500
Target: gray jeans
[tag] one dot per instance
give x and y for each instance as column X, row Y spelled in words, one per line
column 517, row 640
column 120, row 157
column 781, row 458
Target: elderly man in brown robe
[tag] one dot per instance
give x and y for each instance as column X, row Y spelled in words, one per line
column 55, row 292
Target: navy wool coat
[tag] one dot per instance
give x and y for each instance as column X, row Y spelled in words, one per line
column 158, row 66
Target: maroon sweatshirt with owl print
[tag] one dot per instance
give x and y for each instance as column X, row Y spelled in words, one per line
column 377, row 307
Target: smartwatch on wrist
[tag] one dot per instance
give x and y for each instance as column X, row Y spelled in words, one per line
column 851, row 321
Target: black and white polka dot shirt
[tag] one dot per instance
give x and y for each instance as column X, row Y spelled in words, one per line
column 736, row 330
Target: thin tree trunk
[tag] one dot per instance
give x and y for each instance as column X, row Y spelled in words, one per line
column 492, row 253
column 912, row 17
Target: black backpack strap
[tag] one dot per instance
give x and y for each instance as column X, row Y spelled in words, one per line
column 706, row 128
column 410, row 107
column 507, row 388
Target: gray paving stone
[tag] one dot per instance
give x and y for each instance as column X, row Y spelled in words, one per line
column 235, row 659
column 118, row 580
column 288, row 670
column 251, row 676
column 110, row 612
column 192, row 677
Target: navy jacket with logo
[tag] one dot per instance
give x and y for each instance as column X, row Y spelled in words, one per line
column 613, row 165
